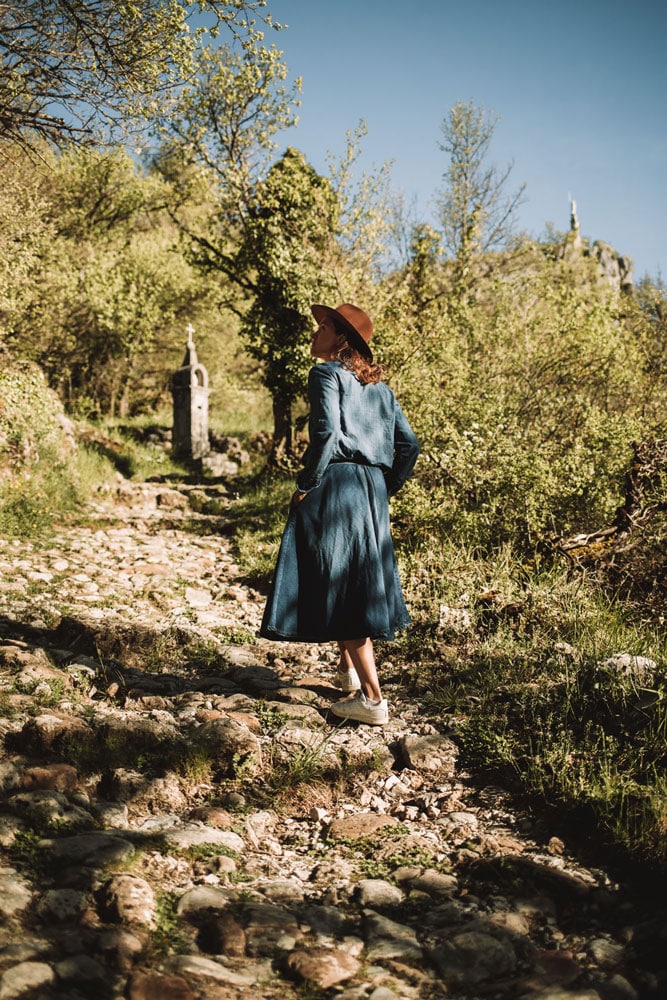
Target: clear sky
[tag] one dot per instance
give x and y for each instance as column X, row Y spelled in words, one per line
column 580, row 87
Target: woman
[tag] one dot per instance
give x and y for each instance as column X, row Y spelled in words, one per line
column 336, row 577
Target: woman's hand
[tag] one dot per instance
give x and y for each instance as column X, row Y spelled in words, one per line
column 297, row 498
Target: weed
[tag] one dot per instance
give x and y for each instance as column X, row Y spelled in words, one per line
column 232, row 635
column 168, row 936
column 200, row 852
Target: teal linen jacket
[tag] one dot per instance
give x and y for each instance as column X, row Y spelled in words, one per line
column 353, row 422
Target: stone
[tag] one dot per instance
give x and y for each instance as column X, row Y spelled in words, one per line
column 49, row 733
column 47, row 808
column 81, row 969
column 268, row 927
column 15, row 894
column 121, row 947
column 618, row 988
column 606, row 953
column 359, row 825
column 231, row 744
column 206, row 968
column 212, row 816
column 204, row 897
column 10, row 826
column 194, row 834
column 56, row 777
column 376, row 892
column 429, row 753
column 435, row 883
column 641, row 668
column 323, row 966
column 130, row 899
column 62, row 904
column 25, row 976
column 223, row 935
column 555, row 967
column 388, row 939
column 472, row 957
column 151, row 985
column 97, row 849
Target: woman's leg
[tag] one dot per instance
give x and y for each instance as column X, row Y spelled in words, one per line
column 360, row 653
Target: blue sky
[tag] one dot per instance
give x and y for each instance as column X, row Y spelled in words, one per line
column 580, row 87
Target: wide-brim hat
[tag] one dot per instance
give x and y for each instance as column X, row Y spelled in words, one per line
column 352, row 321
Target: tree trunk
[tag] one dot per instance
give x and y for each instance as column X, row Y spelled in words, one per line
column 283, row 433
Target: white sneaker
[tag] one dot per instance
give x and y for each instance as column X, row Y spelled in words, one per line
column 348, row 680
column 362, row 709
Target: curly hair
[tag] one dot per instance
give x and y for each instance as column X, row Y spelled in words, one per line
column 366, row 371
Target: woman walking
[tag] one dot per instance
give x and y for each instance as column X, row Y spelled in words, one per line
column 336, row 577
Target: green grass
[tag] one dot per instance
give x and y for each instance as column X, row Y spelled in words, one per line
column 532, row 704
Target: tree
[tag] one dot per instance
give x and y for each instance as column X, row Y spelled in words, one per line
column 72, row 68
column 476, row 212
column 287, row 238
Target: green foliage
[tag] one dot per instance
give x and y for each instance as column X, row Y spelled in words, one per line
column 526, row 398
column 168, row 935
column 475, row 210
column 38, row 465
column 104, row 64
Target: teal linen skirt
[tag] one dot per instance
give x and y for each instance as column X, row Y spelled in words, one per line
column 336, row 575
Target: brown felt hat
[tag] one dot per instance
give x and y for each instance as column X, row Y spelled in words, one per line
column 351, row 321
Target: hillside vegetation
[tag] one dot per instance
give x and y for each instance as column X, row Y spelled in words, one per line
column 533, row 535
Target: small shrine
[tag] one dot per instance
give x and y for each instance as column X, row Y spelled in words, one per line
column 190, row 391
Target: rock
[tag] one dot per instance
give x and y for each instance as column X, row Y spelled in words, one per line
column 196, row 965
column 151, row 985
column 173, row 499
column 25, row 976
column 641, row 668
column 194, row 834
column 81, row 969
column 62, row 904
column 269, row 927
column 555, row 967
column 231, row 745
column 376, row 892
column 618, row 988
column 435, row 883
column 471, row 957
column 323, row 966
column 429, row 753
column 222, row 935
column 50, row 733
column 387, row 939
column 359, row 825
column 212, row 816
column 204, row 898
column 606, row 953
column 55, row 777
column 218, row 464
column 325, row 920
column 130, row 899
column 120, row 947
column 15, row 894
column 44, row 809
column 97, row 849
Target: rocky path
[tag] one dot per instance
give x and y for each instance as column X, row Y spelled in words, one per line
column 181, row 817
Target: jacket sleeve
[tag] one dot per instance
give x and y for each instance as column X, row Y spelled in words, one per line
column 406, row 452
column 323, row 426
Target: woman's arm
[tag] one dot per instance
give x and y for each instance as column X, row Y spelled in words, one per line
column 323, row 425
column 406, row 452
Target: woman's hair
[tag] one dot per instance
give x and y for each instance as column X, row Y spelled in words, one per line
column 366, row 371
